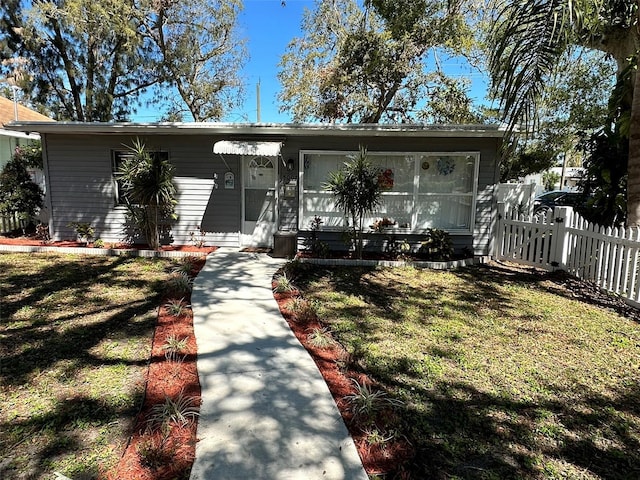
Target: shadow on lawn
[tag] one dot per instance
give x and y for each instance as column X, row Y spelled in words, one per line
column 59, row 432
column 49, row 347
column 558, row 282
column 67, row 337
column 66, row 274
column 464, row 433
column 459, row 431
column 44, row 351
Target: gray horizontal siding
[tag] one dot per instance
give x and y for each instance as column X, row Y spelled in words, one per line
column 82, row 190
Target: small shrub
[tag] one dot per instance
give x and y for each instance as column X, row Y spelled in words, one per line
column 295, row 304
column 153, row 452
column 345, row 361
column 175, row 307
column 317, row 247
column 198, row 239
column 42, row 233
column 185, row 265
column 366, row 402
column 99, row 243
column 375, row 438
column 400, row 249
column 303, row 310
column 180, row 283
column 437, row 245
column 322, row 249
column 179, row 410
column 283, row 284
column 84, row 231
column 321, row 338
column 295, row 268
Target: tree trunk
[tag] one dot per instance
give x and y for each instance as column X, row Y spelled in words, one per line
column 633, row 170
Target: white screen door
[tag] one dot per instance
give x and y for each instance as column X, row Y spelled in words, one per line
column 259, row 201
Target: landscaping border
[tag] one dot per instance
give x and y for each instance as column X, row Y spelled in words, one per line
column 466, row 262
column 123, row 252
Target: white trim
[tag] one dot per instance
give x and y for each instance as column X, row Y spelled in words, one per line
column 245, row 238
column 14, row 134
column 415, row 194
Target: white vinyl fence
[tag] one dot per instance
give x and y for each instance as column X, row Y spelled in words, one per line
column 9, row 223
column 517, row 195
column 609, row 257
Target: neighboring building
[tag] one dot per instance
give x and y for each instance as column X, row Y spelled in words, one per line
column 10, row 139
column 245, row 183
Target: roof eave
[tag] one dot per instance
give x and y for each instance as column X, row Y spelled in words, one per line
column 264, row 129
column 18, row 134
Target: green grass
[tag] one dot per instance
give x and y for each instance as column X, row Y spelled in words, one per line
column 75, row 338
column 503, row 374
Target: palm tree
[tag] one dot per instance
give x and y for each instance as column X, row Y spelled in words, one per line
column 149, row 190
column 529, row 38
column 357, row 192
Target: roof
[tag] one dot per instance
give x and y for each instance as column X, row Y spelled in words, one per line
column 261, row 129
column 7, row 113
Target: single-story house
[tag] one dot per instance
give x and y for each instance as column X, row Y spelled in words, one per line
column 243, row 184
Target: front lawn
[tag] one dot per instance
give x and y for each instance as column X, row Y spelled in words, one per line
column 503, row 373
column 75, row 337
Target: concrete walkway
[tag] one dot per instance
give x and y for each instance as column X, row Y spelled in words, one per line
column 266, row 411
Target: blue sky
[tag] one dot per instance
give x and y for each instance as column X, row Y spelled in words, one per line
column 268, row 28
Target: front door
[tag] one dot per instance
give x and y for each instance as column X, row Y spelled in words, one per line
column 259, row 201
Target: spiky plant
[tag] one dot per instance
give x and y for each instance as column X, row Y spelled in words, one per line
column 173, row 346
column 366, row 403
column 357, row 192
column 321, row 338
column 175, row 307
column 149, row 190
column 179, row 410
column 283, row 284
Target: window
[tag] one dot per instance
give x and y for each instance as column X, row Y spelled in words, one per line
column 419, row 190
column 119, row 158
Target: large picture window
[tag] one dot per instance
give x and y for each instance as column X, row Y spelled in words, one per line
column 419, row 190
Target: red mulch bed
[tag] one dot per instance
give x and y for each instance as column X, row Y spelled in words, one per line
column 173, row 457
column 31, row 241
column 334, row 365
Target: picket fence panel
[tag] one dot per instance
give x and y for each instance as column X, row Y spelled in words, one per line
column 9, row 223
column 563, row 240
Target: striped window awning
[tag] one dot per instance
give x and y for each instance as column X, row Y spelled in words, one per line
column 237, row 147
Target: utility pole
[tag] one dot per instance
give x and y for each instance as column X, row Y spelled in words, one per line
column 15, row 102
column 258, row 100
